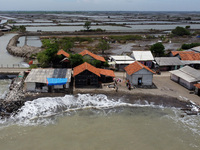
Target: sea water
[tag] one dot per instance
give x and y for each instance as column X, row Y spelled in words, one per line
column 88, row 122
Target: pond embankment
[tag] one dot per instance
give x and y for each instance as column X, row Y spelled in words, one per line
column 24, row 51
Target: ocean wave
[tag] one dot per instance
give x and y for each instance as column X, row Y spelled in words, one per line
column 44, row 110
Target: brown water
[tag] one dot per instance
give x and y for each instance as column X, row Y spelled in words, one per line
column 87, row 122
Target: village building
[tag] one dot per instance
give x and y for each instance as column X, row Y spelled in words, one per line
column 144, row 57
column 118, row 62
column 196, row 49
column 186, row 76
column 65, row 58
column 87, row 55
column 139, row 74
column 62, row 52
column 88, row 76
column 190, row 58
column 168, row 63
column 176, row 53
column 48, row 80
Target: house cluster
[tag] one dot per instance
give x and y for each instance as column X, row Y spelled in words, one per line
column 139, row 67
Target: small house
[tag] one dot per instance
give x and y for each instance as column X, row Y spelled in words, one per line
column 48, row 80
column 87, row 55
column 144, row 57
column 168, row 63
column 139, row 74
column 118, row 62
column 186, row 76
column 64, row 59
column 86, row 75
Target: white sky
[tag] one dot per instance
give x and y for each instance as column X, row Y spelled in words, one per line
column 101, row 5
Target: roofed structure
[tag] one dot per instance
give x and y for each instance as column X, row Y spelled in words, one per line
column 168, row 61
column 186, row 76
column 40, row 75
column 142, row 55
column 175, row 53
column 135, row 67
column 86, row 52
column 196, row 49
column 62, row 52
column 85, row 66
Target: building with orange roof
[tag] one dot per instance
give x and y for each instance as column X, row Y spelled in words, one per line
column 87, row 55
column 190, row 58
column 62, row 52
column 176, row 53
column 86, row 75
column 139, row 74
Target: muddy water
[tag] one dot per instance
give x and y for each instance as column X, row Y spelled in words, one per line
column 85, row 122
column 5, row 58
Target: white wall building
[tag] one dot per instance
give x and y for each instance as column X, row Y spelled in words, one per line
column 139, row 74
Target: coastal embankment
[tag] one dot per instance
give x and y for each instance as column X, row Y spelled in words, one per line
column 24, row 51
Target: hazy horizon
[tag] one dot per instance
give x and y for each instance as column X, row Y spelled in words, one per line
column 100, row 5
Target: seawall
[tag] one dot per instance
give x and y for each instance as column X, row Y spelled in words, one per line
column 25, row 51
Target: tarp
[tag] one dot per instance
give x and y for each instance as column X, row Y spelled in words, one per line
column 56, row 81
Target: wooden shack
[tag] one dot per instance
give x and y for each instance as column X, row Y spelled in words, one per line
column 88, row 76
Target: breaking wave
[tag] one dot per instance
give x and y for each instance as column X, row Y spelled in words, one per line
column 45, row 110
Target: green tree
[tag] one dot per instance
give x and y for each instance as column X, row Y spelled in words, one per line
column 76, row 60
column 158, row 50
column 48, row 56
column 103, row 45
column 87, row 25
column 22, row 28
column 180, row 31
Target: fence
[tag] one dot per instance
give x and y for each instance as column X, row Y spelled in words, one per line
column 11, row 66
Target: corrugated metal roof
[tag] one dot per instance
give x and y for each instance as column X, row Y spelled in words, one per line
column 197, row 49
column 187, row 73
column 168, row 61
column 142, row 55
column 121, row 57
column 40, row 75
column 124, row 62
column 187, row 62
column 183, row 75
column 191, row 71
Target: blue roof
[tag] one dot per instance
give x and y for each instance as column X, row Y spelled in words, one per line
column 56, row 81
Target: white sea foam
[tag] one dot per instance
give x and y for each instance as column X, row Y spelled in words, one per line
column 188, row 122
column 42, row 110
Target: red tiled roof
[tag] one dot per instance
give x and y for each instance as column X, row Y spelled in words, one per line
column 97, row 71
column 174, row 53
column 197, row 85
column 86, row 52
column 135, row 67
column 86, row 66
column 189, row 56
column 62, row 52
column 107, row 72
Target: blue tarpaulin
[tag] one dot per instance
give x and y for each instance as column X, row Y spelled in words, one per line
column 56, row 81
